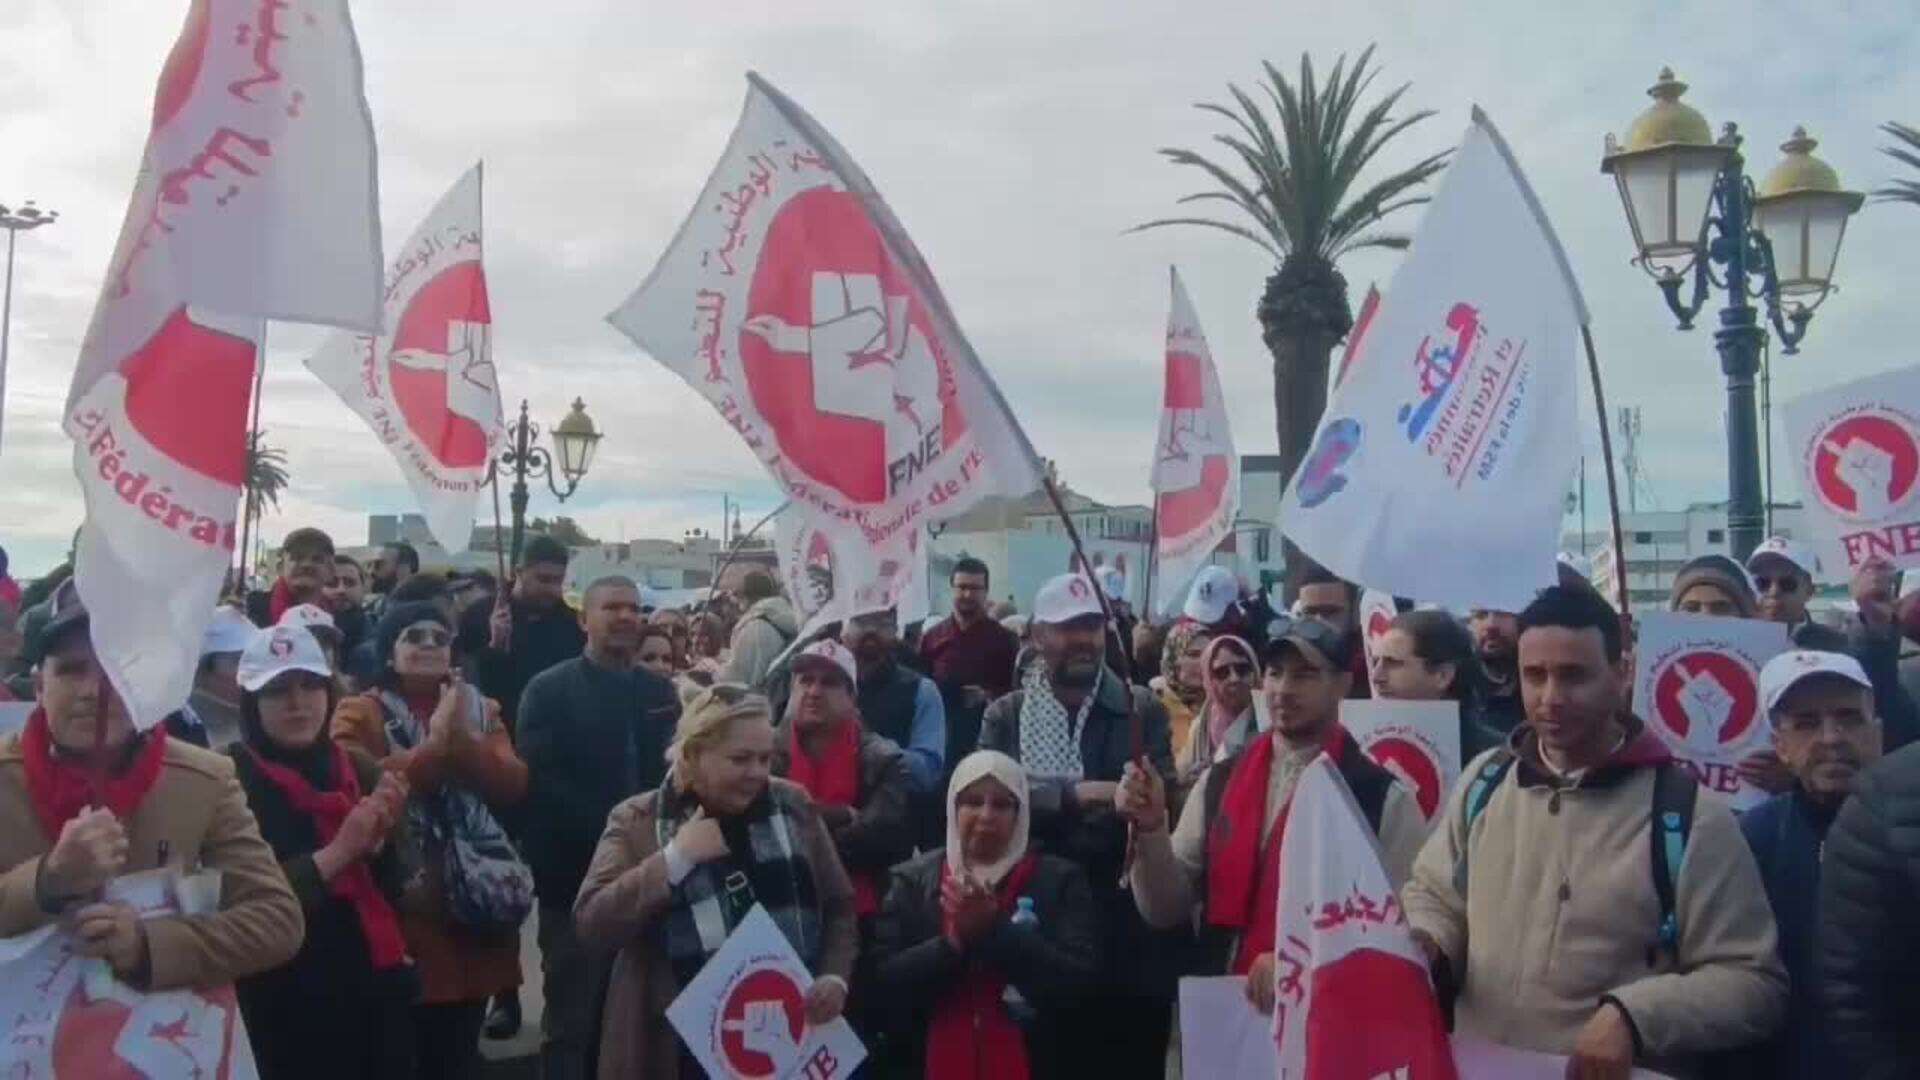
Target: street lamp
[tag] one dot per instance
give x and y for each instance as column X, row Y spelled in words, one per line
column 1691, row 208
column 574, row 440
column 25, row 219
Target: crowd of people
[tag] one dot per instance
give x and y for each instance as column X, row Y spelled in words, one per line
column 998, row 840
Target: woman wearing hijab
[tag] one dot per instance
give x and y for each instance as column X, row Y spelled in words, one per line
column 950, row 955
column 1182, row 686
column 421, row 720
column 679, row 867
column 1231, row 714
column 340, row 1007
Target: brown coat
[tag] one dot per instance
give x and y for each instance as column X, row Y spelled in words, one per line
column 455, row 963
column 626, row 890
column 196, row 812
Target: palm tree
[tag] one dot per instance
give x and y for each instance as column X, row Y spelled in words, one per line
column 1907, row 191
column 266, row 475
column 1298, row 195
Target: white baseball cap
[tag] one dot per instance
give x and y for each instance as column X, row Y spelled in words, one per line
column 316, row 619
column 1112, row 580
column 1779, row 547
column 832, row 652
column 1213, row 592
column 1787, row 670
column 275, row 652
column 1064, row 599
column 229, row 632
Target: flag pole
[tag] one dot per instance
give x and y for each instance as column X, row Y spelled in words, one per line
column 734, row 549
column 499, row 552
column 1153, row 561
column 1613, row 491
column 253, row 448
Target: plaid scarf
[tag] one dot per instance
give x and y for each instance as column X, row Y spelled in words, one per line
column 1049, row 737
column 766, row 865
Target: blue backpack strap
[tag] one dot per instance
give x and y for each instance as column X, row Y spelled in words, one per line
column 1479, row 790
column 1674, row 795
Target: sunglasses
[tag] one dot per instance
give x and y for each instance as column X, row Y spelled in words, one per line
column 1770, row 583
column 426, row 636
column 1233, row 671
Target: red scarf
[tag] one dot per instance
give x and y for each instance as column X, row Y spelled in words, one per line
column 971, row 1034
column 279, row 602
column 833, row 779
column 61, row 789
column 1243, row 876
column 355, row 883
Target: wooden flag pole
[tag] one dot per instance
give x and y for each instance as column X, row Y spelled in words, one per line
column 253, row 448
column 499, row 551
column 1153, row 562
column 1613, row 491
column 734, row 549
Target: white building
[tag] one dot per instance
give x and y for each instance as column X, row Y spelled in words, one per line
column 1660, row 542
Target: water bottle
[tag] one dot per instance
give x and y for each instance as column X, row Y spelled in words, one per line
column 1024, row 918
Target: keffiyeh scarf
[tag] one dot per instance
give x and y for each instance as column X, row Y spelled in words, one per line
column 1049, row 736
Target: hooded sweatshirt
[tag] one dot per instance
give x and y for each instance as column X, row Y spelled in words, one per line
column 1560, row 913
column 761, row 635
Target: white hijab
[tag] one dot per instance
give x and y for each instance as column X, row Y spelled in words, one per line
column 983, row 763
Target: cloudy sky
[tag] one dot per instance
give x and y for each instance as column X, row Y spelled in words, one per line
column 1015, row 140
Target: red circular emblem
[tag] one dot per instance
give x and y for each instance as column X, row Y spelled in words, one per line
column 1378, row 624
column 281, row 645
column 1415, row 767
column 764, row 997
column 840, row 353
column 439, row 356
column 1705, row 699
column 1866, row 463
column 182, row 69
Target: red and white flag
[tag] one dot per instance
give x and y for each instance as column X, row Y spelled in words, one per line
column 256, row 199
column 830, row 577
column 1353, row 1000
column 796, row 304
column 1196, row 474
column 427, row 386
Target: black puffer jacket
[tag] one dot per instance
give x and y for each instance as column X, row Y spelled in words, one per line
column 1870, row 922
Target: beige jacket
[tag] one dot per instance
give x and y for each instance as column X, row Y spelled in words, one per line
column 196, row 812
column 1561, row 913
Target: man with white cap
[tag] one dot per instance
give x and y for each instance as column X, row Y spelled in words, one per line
column 1820, row 705
column 1075, row 724
column 211, row 716
column 1784, row 576
column 1211, row 600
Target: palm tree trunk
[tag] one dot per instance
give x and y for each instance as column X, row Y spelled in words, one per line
column 1304, row 314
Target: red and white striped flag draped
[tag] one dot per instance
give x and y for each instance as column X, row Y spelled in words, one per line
column 427, row 387
column 1196, row 474
column 796, row 304
column 1353, row 1000
column 256, row 199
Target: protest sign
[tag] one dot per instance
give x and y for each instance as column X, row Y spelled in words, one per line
column 1417, row 741
column 1196, row 473
column 1376, row 615
column 427, row 385
column 256, row 199
column 1478, row 1059
column 1439, row 466
column 743, row 1017
column 829, row 576
column 1697, row 685
column 796, row 304
column 71, row 1019
column 1352, row 997
column 1222, row 1036
column 1858, row 449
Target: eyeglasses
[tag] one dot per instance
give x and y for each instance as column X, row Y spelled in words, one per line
column 1770, row 583
column 1233, row 671
column 425, row 636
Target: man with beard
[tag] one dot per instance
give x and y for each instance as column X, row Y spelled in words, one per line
column 897, row 702
column 526, row 631
column 971, row 658
column 1326, row 597
column 346, row 599
column 593, row 731
column 1826, row 732
column 1495, row 638
column 306, row 566
column 1075, row 724
column 391, row 568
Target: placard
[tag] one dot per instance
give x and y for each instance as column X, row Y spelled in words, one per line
column 1697, row 685
column 1417, row 741
column 1858, row 450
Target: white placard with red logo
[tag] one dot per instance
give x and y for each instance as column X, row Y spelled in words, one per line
column 796, row 304
column 256, row 199
column 1196, row 474
column 829, row 576
column 744, row 1018
column 1697, row 684
column 1377, row 612
column 1416, row 741
column 1439, row 466
column 427, row 386
column 1352, row 997
column 1858, row 446
column 69, row 1017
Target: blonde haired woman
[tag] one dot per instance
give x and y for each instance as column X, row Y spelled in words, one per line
column 677, row 868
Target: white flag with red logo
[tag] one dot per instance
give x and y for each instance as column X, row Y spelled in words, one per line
column 1858, row 446
column 1438, row 468
column 1417, row 741
column 1377, row 612
column 1697, row 683
column 256, row 199
column 427, row 386
column 830, row 576
column 796, row 304
column 1352, row 996
column 1196, row 474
